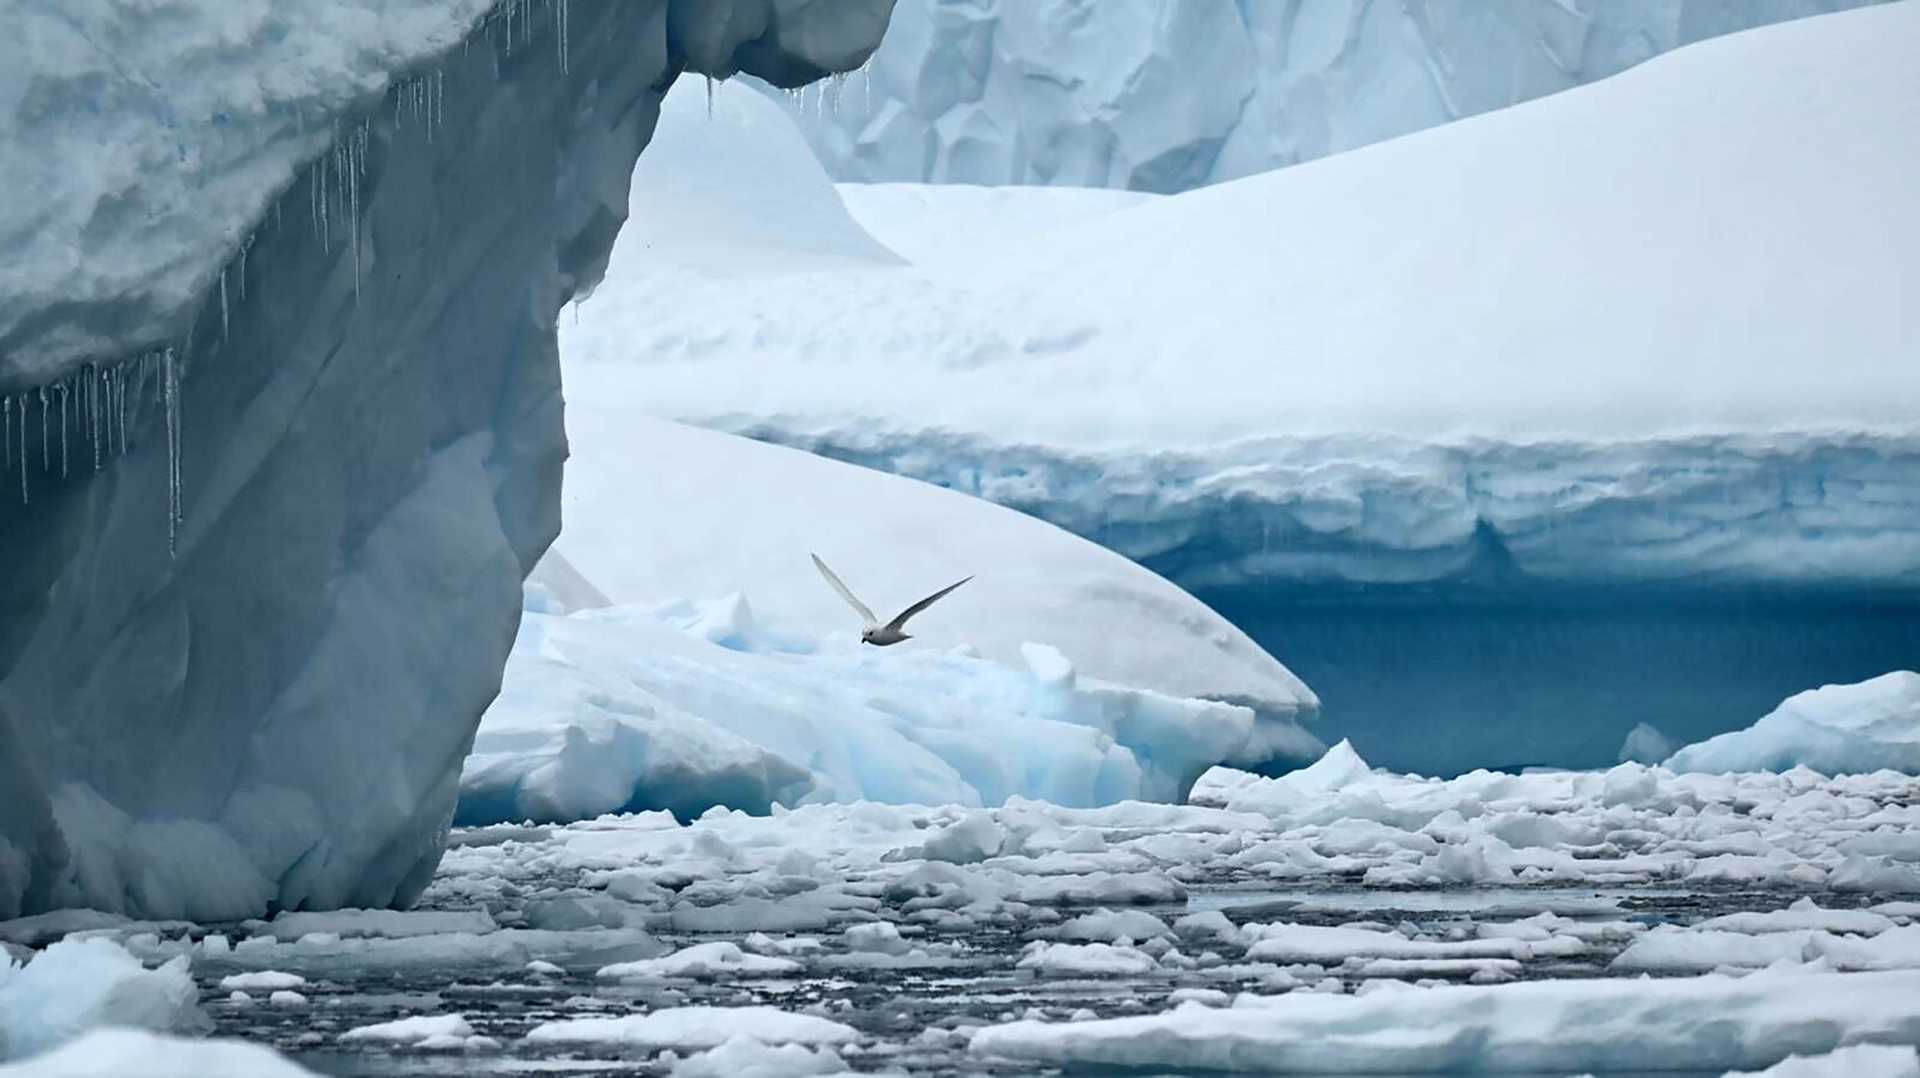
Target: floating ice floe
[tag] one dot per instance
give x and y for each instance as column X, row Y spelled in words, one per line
column 118, row 1053
column 695, row 1027
column 437, row 1032
column 1545, row 1026
column 79, row 984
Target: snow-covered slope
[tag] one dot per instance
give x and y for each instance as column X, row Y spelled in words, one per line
column 264, row 529
column 1720, row 239
column 723, row 514
column 1637, row 355
column 1162, row 95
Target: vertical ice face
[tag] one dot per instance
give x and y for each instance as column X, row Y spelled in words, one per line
column 353, row 451
column 1164, row 95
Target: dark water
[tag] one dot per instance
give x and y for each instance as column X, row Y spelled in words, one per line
column 1443, row 682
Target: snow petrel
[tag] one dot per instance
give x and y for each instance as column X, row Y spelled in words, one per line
column 875, row 633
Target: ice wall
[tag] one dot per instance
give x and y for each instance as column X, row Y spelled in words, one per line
column 354, row 433
column 1164, row 95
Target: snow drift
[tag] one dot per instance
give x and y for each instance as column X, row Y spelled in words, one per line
column 1162, row 95
column 1618, row 379
column 283, row 431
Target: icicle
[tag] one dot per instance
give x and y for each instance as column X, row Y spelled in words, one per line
column 561, row 15
column 23, row 449
column 46, row 459
column 64, row 455
column 170, row 392
column 94, row 387
column 244, row 248
column 224, row 321
column 709, row 97
column 6, row 443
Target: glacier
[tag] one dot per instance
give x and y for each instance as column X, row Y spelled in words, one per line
column 285, row 330
column 1509, row 412
column 1092, row 94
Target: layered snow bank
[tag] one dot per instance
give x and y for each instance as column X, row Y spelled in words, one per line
column 1106, row 95
column 261, row 582
column 722, row 514
column 1835, row 729
column 1545, row 1026
column 77, row 985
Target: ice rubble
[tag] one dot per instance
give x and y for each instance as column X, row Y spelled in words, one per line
column 356, row 453
column 1834, row 729
column 1217, row 929
column 1564, row 451
column 745, row 517
column 1106, row 94
column 630, row 708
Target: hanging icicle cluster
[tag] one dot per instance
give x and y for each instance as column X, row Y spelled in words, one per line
column 94, row 405
column 97, row 404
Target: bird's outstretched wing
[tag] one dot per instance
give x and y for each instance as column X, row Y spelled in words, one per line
column 900, row 622
column 844, row 593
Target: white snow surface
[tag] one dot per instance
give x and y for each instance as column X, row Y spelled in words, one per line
column 77, row 985
column 142, row 140
column 1165, row 94
column 1833, row 729
column 1626, row 265
column 1540, row 1026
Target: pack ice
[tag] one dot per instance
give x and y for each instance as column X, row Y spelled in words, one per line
column 1161, row 95
column 1458, row 425
column 761, row 692
column 279, row 410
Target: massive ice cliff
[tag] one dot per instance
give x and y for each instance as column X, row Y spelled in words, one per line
column 282, row 410
column 1163, row 95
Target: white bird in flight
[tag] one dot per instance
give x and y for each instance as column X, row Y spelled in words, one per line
column 875, row 633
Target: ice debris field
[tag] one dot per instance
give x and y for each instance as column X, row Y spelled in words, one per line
column 1339, row 920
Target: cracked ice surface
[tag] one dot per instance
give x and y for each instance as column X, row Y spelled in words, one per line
column 1477, row 923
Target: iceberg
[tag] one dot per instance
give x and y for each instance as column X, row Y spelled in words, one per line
column 281, row 412
column 636, row 699
column 1835, row 729
column 1457, row 425
column 1159, row 95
